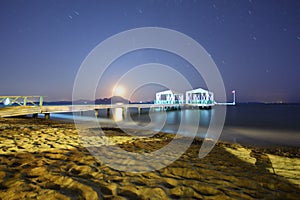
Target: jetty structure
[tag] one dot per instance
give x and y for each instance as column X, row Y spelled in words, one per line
column 200, row 97
column 26, row 105
column 165, row 100
column 169, row 97
column 20, row 105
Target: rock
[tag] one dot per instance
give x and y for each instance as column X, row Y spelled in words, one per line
column 129, row 191
column 14, row 183
column 55, row 156
column 183, row 172
column 108, row 189
column 68, row 183
column 247, row 183
column 2, row 174
column 81, row 169
column 169, row 182
column 236, row 194
column 37, row 171
column 52, row 165
column 51, row 195
column 181, row 192
column 205, row 189
column 153, row 193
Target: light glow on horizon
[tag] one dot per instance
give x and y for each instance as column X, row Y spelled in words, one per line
column 118, row 91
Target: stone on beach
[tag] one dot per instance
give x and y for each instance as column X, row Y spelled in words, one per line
column 47, row 160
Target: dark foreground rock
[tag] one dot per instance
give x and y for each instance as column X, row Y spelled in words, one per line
column 45, row 160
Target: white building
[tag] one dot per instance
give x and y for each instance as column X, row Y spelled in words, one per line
column 169, row 97
column 199, row 96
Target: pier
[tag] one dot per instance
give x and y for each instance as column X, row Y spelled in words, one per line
column 16, row 107
column 26, row 105
column 20, row 105
column 165, row 100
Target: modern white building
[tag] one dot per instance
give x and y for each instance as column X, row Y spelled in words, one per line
column 169, row 97
column 199, row 96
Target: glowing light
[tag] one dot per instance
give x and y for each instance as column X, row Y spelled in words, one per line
column 118, row 91
column 6, row 101
column 118, row 114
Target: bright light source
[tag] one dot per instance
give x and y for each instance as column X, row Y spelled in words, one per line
column 6, row 101
column 119, row 91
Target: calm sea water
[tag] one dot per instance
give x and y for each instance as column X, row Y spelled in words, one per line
column 263, row 124
column 267, row 124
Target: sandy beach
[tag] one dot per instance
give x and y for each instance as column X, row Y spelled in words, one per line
column 44, row 159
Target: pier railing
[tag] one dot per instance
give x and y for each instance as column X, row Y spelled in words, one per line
column 20, row 105
column 22, row 100
column 204, row 102
column 168, row 102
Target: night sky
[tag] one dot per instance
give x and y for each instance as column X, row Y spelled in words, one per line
column 255, row 44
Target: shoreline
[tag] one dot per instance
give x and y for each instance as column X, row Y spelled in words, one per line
column 244, row 135
column 44, row 158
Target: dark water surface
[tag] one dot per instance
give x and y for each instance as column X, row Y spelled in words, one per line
column 269, row 116
column 262, row 124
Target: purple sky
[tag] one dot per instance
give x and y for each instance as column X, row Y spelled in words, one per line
column 255, row 44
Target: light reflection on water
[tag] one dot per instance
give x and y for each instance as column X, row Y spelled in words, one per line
column 118, row 114
column 264, row 124
column 170, row 121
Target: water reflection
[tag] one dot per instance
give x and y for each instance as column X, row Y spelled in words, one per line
column 250, row 123
column 118, row 114
column 169, row 118
column 173, row 117
column 205, row 116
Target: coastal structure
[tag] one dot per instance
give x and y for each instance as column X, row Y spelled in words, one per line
column 165, row 100
column 200, row 96
column 194, row 98
column 169, row 97
column 21, row 100
column 20, row 105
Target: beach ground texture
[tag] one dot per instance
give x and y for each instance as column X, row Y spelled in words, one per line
column 44, row 159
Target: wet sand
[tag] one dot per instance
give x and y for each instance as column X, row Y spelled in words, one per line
column 44, row 159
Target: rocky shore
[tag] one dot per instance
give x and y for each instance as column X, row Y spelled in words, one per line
column 44, row 159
